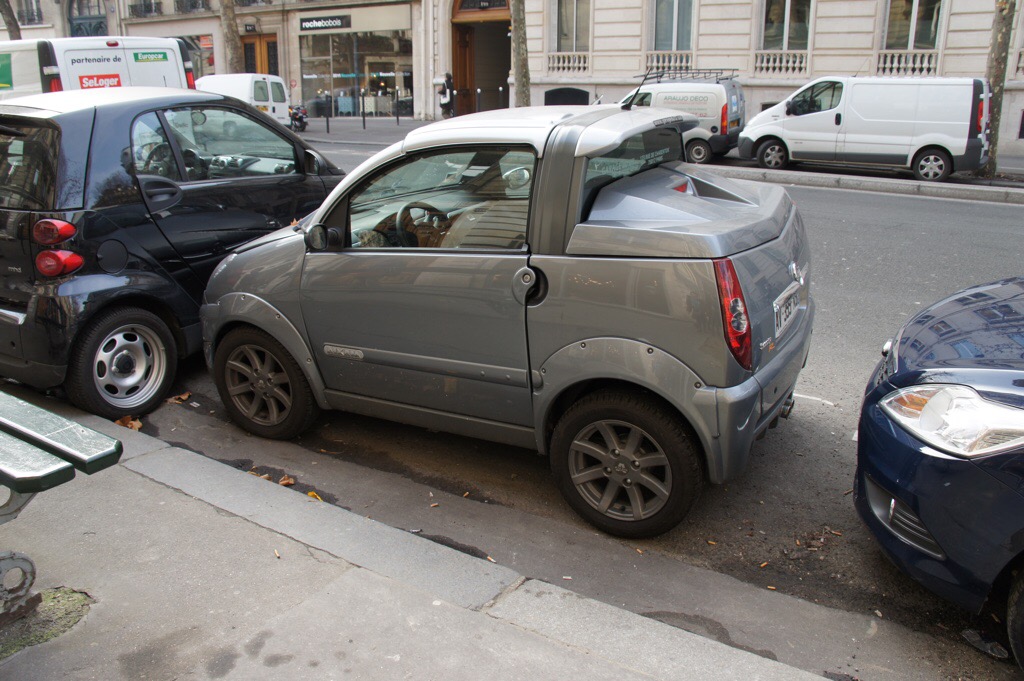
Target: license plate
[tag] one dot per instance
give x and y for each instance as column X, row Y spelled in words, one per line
column 786, row 306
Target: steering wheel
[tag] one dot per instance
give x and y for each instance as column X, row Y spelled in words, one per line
column 433, row 223
column 160, row 154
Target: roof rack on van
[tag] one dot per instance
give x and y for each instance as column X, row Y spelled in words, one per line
column 717, row 75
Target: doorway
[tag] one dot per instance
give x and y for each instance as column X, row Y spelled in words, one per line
column 260, row 54
column 481, row 54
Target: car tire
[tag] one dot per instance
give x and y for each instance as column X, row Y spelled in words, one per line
column 262, row 386
column 122, row 364
column 1015, row 618
column 773, row 155
column 626, row 463
column 932, row 165
column 698, row 151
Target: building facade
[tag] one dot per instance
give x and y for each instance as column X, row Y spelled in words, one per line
column 348, row 57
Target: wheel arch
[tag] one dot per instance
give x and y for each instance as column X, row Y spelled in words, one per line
column 631, row 366
column 158, row 306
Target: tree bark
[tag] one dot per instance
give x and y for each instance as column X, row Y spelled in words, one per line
column 10, row 20
column 520, row 58
column 232, row 41
column 998, row 57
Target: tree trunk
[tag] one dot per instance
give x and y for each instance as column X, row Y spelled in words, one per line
column 232, row 41
column 520, row 58
column 998, row 56
column 10, row 20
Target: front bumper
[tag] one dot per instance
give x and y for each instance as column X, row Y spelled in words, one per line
column 943, row 520
column 745, row 147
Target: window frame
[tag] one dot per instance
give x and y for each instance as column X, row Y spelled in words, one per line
column 911, row 42
column 786, row 26
column 675, row 26
column 575, row 38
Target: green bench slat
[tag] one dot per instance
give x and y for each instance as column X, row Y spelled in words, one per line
column 27, row 469
column 82, row 447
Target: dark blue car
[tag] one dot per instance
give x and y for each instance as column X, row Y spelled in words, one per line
column 940, row 457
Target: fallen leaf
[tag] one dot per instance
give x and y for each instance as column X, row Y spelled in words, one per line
column 878, row 614
column 848, row 492
column 277, row 554
column 254, row 472
column 129, row 422
column 567, row 577
column 837, row 533
column 763, row 565
column 314, row 495
column 434, row 505
column 798, row 542
column 640, row 552
column 266, row 476
column 286, row 480
column 178, row 399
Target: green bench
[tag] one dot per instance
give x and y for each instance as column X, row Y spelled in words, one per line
column 39, row 450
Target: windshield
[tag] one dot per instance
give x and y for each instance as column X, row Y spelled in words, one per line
column 28, row 165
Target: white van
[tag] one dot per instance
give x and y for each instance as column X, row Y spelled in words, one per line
column 266, row 93
column 932, row 126
column 717, row 102
column 33, row 66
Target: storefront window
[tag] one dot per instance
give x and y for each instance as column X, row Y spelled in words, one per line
column 350, row 72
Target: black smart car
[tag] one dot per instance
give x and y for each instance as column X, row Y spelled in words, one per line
column 116, row 205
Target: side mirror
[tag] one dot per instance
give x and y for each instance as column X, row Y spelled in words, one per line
column 789, row 108
column 517, row 178
column 320, row 238
column 312, row 162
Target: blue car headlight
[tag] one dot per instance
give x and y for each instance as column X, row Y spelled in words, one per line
column 956, row 419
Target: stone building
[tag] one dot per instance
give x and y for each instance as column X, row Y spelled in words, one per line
column 351, row 56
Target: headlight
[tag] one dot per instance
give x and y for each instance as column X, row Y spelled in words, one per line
column 956, row 419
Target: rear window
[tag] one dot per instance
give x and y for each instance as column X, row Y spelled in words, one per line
column 639, row 152
column 28, row 166
column 260, row 91
column 278, row 90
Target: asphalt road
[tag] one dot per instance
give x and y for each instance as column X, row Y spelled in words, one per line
column 788, row 524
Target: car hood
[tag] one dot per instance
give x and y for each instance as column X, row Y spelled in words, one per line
column 973, row 337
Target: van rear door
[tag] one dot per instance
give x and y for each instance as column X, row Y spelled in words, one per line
column 87, row 64
column 157, row 66
column 19, row 68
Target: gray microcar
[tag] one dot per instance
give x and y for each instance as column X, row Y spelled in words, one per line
column 550, row 277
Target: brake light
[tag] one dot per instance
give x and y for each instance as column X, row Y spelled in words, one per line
column 50, row 232
column 725, row 119
column 734, row 312
column 190, row 79
column 56, row 263
column 111, row 43
column 981, row 115
column 55, row 85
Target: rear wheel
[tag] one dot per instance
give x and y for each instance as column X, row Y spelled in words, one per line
column 773, row 155
column 698, row 151
column 262, row 386
column 122, row 364
column 932, row 165
column 626, row 463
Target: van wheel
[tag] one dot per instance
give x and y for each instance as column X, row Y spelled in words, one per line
column 123, row 363
column 698, row 151
column 773, row 155
column 262, row 386
column 932, row 165
column 626, row 463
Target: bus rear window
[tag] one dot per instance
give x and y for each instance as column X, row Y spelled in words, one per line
column 28, row 166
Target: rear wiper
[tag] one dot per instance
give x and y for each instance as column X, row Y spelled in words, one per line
column 12, row 132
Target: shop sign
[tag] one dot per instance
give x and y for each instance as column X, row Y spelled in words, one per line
column 325, row 23
column 6, row 75
column 250, row 28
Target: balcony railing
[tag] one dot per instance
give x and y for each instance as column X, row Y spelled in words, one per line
column 30, row 17
column 669, row 61
column 908, row 63
column 780, row 63
column 145, row 9
column 188, row 6
column 569, row 62
column 250, row 3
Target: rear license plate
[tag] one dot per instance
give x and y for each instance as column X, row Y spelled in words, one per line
column 786, row 306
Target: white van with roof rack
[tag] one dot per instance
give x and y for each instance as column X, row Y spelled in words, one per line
column 714, row 96
column 32, row 66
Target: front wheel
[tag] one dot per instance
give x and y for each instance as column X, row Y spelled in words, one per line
column 773, row 155
column 626, row 463
column 698, row 151
column 932, row 165
column 123, row 363
column 262, row 386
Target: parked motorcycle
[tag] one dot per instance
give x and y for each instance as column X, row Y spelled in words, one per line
column 298, row 117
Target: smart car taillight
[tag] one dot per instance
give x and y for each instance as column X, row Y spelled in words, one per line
column 57, row 263
column 734, row 312
column 981, row 117
column 725, row 119
column 49, row 232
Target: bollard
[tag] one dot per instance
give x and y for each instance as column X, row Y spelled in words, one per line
column 478, row 99
column 501, row 97
column 362, row 105
column 395, row 104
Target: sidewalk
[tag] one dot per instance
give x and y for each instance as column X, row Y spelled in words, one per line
column 1007, row 188
column 199, row 570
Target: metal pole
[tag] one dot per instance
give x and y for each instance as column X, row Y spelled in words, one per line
column 501, row 96
column 362, row 105
column 396, row 106
column 330, row 106
column 478, row 99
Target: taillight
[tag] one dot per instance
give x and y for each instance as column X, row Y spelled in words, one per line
column 50, row 232
column 56, row 263
column 734, row 313
column 725, row 119
column 981, row 116
column 190, row 77
column 55, row 85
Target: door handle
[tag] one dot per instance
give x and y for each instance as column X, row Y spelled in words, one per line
column 839, row 118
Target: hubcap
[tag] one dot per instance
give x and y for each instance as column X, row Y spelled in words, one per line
column 620, row 470
column 931, row 167
column 774, row 156
column 130, row 366
column 698, row 153
column 258, row 385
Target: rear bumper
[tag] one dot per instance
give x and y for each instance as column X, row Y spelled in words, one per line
column 721, row 144
column 29, row 353
column 747, row 410
column 974, row 157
